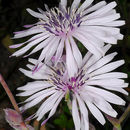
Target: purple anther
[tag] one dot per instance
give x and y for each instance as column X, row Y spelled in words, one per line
column 79, row 24
column 60, row 17
column 67, row 16
column 73, row 79
column 78, row 18
column 58, row 72
column 71, row 26
column 70, row 87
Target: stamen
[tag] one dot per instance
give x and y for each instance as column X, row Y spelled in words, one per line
column 61, row 21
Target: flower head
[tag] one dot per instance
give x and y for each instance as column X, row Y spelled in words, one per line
column 59, row 27
column 15, row 120
column 89, row 86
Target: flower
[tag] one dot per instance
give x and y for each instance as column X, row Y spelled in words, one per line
column 89, row 86
column 60, row 27
column 15, row 120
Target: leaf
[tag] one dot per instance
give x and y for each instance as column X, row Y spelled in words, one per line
column 61, row 121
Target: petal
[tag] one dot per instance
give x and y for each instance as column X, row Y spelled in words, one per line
column 46, row 50
column 86, row 58
column 104, row 82
column 40, row 93
column 115, row 23
column 48, row 105
column 31, row 39
column 95, row 7
column 28, row 93
column 105, row 107
column 103, row 10
column 106, row 30
column 41, row 45
column 110, row 75
column 89, row 35
column 110, row 97
column 53, row 110
column 63, row 3
column 59, row 51
column 108, row 68
column 75, row 4
column 17, row 45
column 75, row 114
column 92, row 60
column 36, row 100
column 96, row 113
column 84, row 112
column 34, row 76
column 101, row 62
column 99, row 101
column 33, row 61
column 52, row 50
column 104, row 19
column 70, row 61
column 86, row 4
column 77, row 54
column 37, row 15
column 35, row 85
column 33, row 30
column 100, row 35
column 108, row 39
column 112, row 24
column 87, row 43
column 31, row 44
column 117, row 89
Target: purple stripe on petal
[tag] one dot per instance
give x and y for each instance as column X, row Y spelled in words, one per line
column 18, row 32
column 28, row 26
column 17, row 45
column 44, row 122
column 36, row 68
column 29, row 118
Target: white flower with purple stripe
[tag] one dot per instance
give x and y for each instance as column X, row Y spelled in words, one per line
column 88, row 87
column 60, row 27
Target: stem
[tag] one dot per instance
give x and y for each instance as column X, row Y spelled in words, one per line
column 125, row 114
column 117, row 122
column 9, row 93
column 11, row 97
column 36, row 125
column 119, row 128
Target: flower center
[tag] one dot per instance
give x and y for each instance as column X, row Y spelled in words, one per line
column 60, row 21
column 62, row 83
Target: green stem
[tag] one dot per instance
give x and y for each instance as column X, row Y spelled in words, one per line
column 125, row 114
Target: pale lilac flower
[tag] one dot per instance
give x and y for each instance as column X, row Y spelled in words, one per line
column 60, row 27
column 89, row 86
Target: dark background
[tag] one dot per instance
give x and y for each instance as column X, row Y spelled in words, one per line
column 13, row 16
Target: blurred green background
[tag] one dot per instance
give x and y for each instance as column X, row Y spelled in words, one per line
column 13, row 16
